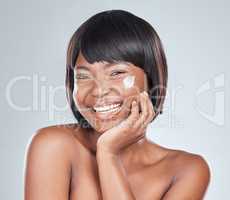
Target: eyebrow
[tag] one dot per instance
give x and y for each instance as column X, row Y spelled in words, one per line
column 107, row 65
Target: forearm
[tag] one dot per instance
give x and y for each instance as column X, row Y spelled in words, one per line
column 114, row 184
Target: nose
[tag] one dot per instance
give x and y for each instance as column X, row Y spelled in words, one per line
column 100, row 89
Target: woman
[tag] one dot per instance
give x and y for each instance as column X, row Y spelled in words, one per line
column 116, row 82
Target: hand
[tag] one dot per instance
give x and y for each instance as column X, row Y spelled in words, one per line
column 129, row 130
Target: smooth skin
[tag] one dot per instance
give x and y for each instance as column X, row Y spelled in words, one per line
column 114, row 160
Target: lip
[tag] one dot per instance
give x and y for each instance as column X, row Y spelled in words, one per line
column 107, row 103
column 109, row 115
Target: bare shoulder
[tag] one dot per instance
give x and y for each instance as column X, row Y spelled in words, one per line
column 54, row 134
column 190, row 175
column 55, row 138
column 187, row 162
column 187, row 165
column 49, row 161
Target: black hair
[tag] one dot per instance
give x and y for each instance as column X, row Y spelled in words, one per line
column 113, row 36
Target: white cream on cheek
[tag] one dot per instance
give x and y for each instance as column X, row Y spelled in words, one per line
column 128, row 81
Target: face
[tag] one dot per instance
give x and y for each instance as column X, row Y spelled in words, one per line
column 103, row 92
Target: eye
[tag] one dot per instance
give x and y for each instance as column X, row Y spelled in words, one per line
column 117, row 72
column 81, row 76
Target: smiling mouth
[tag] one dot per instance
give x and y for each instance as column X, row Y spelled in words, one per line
column 107, row 112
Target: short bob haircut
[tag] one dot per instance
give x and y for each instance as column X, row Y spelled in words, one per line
column 113, row 36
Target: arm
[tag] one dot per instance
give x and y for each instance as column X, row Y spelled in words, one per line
column 48, row 166
column 192, row 182
column 114, row 184
column 112, row 176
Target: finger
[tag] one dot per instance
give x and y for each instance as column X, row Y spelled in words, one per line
column 144, row 111
column 150, row 111
column 134, row 112
column 146, row 117
column 150, row 108
column 133, row 116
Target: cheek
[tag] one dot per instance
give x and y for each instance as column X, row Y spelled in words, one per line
column 75, row 94
column 75, row 89
column 80, row 92
column 131, row 89
column 128, row 82
column 131, row 85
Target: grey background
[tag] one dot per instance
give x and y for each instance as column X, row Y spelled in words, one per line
column 195, row 34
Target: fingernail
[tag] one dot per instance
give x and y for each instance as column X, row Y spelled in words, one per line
column 145, row 93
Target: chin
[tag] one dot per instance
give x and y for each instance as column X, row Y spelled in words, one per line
column 102, row 126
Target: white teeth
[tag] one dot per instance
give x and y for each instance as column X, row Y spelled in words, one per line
column 111, row 110
column 106, row 108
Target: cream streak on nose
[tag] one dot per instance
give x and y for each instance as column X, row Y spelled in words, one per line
column 128, row 82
